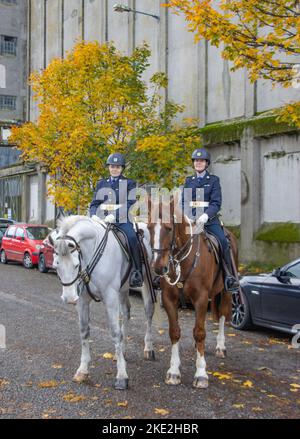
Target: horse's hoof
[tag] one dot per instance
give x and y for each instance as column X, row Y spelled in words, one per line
column 200, row 383
column 149, row 355
column 80, row 377
column 121, row 383
column 221, row 353
column 172, row 379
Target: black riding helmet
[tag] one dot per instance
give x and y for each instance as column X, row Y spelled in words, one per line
column 116, row 159
column 201, row 153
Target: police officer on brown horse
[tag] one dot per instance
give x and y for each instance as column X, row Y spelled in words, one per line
column 112, row 200
column 212, row 201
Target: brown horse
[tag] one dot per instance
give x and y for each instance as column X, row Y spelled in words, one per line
column 183, row 259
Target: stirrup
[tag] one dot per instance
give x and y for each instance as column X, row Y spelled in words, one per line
column 231, row 284
column 136, row 279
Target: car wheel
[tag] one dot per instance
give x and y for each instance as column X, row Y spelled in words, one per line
column 27, row 261
column 42, row 264
column 3, row 257
column 241, row 317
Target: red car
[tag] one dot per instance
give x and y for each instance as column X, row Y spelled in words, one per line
column 46, row 254
column 22, row 243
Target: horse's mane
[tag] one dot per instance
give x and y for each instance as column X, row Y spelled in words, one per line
column 66, row 223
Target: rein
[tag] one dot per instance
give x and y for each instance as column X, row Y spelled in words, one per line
column 176, row 259
column 84, row 275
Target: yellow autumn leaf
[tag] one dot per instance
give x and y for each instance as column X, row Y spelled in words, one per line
column 3, row 382
column 222, row 376
column 72, row 397
column 247, row 384
column 48, row 384
column 122, row 404
column 108, row 356
column 238, row 406
column 162, row 412
column 295, row 386
column 257, row 409
column 161, row 331
column 56, row 366
column 231, row 335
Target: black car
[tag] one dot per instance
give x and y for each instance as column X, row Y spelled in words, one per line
column 271, row 300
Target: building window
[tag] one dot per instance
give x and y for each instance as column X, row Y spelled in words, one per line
column 9, row 2
column 8, row 45
column 7, row 102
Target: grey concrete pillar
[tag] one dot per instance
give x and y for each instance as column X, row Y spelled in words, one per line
column 202, row 83
column 41, row 196
column 250, row 193
column 24, row 197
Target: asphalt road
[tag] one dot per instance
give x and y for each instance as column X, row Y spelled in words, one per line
column 260, row 378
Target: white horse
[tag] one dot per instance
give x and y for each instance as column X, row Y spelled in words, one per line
column 78, row 240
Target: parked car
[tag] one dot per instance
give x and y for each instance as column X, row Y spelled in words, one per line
column 6, row 222
column 45, row 262
column 271, row 300
column 22, row 242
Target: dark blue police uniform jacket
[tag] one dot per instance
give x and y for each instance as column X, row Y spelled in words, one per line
column 213, row 195
column 112, row 192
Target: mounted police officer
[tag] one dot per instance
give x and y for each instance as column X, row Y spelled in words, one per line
column 112, row 199
column 212, row 204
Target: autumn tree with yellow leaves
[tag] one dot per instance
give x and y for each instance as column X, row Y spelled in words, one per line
column 261, row 35
column 95, row 102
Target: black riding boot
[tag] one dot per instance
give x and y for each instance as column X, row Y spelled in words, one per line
column 231, row 284
column 136, row 276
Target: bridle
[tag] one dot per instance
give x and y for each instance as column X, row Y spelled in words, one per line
column 84, row 275
column 175, row 259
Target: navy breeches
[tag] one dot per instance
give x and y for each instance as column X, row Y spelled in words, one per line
column 217, row 230
column 131, row 235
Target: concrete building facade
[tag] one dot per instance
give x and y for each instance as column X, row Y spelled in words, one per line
column 257, row 159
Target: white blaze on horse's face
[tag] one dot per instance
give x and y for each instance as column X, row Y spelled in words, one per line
column 67, row 266
column 157, row 230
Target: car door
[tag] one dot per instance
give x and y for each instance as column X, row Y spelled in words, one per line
column 281, row 296
column 19, row 243
column 8, row 244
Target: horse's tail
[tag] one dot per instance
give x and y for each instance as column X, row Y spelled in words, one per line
column 221, row 306
column 221, row 303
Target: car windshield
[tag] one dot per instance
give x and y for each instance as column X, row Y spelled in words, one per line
column 37, row 233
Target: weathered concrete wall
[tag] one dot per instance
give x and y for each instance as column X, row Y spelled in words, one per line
column 257, row 187
column 54, row 17
column 13, row 23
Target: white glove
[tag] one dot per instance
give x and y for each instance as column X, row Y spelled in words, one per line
column 109, row 218
column 202, row 219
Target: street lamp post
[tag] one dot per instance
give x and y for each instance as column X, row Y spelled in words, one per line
column 123, row 8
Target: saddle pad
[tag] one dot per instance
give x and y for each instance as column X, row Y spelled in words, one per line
column 215, row 245
column 122, row 240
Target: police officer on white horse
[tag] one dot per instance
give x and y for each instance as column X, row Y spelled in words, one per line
column 115, row 203
column 212, row 201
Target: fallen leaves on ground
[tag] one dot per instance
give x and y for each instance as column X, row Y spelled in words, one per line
column 108, row 356
column 162, row 412
column 122, row 404
column 161, row 331
column 3, row 382
column 257, row 409
column 48, row 384
column 238, row 406
column 72, row 397
column 222, row 376
column 295, row 386
column 248, row 384
column 56, row 366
